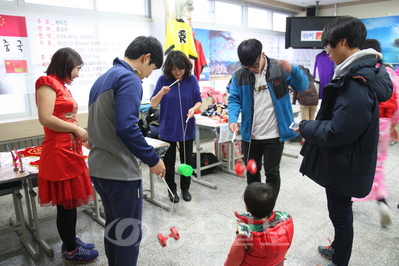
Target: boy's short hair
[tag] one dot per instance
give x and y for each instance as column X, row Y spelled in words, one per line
column 63, row 62
column 346, row 27
column 372, row 43
column 178, row 59
column 248, row 51
column 260, row 199
column 146, row 45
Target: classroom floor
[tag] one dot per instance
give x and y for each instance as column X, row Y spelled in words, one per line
column 207, row 224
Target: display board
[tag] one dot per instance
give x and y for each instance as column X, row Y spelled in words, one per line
column 386, row 31
column 30, row 40
column 220, row 49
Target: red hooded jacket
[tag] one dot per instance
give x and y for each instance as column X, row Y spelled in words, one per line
column 261, row 242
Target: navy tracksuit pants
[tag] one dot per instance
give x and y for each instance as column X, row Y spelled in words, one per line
column 123, row 205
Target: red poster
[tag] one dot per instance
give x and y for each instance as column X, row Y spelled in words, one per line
column 16, row 66
column 13, row 26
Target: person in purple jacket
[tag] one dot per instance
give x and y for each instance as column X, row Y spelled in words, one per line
column 178, row 92
column 324, row 70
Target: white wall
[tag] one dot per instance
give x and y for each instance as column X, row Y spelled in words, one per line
column 365, row 10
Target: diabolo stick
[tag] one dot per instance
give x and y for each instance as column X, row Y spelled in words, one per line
column 173, row 83
column 166, row 184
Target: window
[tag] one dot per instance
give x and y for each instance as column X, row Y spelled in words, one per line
column 86, row 4
column 279, row 21
column 203, row 12
column 14, row 105
column 259, row 18
column 137, row 7
column 229, row 14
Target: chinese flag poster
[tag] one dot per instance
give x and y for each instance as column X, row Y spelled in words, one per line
column 13, row 26
column 16, row 66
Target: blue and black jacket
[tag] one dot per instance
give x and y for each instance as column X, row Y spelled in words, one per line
column 241, row 98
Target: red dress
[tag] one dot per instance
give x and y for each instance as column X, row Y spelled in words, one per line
column 63, row 174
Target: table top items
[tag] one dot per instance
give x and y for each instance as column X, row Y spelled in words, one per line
column 14, row 166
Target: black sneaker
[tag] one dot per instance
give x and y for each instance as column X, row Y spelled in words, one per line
column 186, row 195
column 174, row 199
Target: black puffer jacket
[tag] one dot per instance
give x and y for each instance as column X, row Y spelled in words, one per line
column 340, row 151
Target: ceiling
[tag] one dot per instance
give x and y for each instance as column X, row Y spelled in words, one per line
column 311, row 3
column 297, row 6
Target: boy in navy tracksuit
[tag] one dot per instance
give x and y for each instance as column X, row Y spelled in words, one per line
column 117, row 146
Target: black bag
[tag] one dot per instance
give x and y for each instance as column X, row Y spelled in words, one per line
column 207, row 158
column 149, row 124
column 154, row 116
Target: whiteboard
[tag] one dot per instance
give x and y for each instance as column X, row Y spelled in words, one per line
column 26, row 57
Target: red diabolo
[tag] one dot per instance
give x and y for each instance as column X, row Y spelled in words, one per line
column 251, row 167
column 173, row 234
column 240, row 168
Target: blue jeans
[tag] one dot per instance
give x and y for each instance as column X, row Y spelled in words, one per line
column 271, row 150
column 341, row 216
column 123, row 205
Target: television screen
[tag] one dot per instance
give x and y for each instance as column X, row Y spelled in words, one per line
column 305, row 32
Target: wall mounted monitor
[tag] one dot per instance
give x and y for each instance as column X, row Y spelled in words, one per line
column 305, row 32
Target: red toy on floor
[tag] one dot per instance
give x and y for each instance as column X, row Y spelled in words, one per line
column 173, row 233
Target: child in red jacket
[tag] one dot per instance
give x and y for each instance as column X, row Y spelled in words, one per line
column 263, row 236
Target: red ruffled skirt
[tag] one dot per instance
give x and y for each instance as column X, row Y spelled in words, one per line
column 70, row 193
column 63, row 173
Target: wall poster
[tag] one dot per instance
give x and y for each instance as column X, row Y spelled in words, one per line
column 220, row 49
column 29, row 41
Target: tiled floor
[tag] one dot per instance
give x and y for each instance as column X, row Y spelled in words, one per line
column 207, row 225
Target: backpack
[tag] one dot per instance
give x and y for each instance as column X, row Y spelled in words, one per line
column 149, row 124
column 154, row 116
column 207, row 158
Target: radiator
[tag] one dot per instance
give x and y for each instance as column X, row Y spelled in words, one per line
column 21, row 143
column 37, row 140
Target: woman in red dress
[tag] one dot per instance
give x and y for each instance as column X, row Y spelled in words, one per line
column 63, row 176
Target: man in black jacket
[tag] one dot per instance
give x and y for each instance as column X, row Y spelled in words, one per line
column 340, row 151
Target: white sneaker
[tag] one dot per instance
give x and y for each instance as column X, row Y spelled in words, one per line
column 385, row 217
